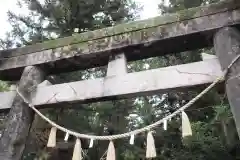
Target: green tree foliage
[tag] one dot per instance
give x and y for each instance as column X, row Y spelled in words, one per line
column 58, row 18
column 176, row 5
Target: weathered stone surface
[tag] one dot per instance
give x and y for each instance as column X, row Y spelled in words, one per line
column 128, row 27
column 117, row 65
column 18, row 124
column 122, row 85
column 155, row 41
column 227, row 47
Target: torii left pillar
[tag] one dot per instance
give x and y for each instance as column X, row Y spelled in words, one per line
column 20, row 118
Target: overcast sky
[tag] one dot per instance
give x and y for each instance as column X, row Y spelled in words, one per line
column 150, row 10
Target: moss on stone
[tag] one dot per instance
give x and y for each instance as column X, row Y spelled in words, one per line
column 130, row 27
column 186, row 14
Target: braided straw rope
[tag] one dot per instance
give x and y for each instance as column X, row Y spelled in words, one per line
column 137, row 131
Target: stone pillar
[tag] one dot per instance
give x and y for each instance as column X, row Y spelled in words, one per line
column 227, row 47
column 20, row 118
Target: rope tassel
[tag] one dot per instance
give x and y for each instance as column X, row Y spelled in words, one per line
column 52, row 137
column 91, row 143
column 186, row 126
column 165, row 125
column 77, row 152
column 132, row 139
column 66, row 137
column 111, row 152
column 151, row 150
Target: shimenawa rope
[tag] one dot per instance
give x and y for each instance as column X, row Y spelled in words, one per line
column 137, row 131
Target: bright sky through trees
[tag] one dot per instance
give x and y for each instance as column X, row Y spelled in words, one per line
column 150, row 9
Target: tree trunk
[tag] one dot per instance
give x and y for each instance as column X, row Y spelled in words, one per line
column 19, row 121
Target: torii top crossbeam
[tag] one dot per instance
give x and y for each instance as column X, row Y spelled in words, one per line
column 185, row 30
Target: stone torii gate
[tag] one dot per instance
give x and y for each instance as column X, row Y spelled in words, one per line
column 213, row 25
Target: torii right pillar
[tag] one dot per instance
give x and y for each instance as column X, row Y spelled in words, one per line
column 227, row 47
